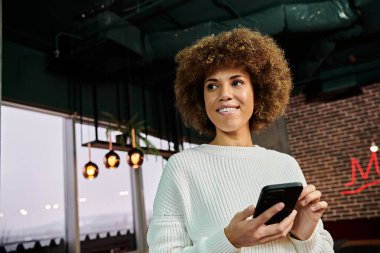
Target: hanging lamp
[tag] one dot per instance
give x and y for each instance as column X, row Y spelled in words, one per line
column 374, row 148
column 90, row 169
column 111, row 159
column 135, row 157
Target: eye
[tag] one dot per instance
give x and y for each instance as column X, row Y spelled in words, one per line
column 211, row 86
column 237, row 83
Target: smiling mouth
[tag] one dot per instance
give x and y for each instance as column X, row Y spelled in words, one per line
column 228, row 109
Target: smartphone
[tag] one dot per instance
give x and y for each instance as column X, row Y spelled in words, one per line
column 272, row 194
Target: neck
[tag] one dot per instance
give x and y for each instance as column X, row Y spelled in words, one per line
column 240, row 138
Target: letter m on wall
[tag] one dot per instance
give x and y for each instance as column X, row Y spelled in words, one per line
column 355, row 167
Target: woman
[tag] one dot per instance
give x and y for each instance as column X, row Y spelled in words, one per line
column 227, row 86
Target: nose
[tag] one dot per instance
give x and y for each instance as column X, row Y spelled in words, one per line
column 225, row 93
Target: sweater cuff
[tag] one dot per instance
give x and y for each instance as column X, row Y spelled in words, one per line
column 308, row 245
column 218, row 242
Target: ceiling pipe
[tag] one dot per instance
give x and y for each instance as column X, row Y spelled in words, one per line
column 225, row 5
column 57, row 52
column 138, row 11
column 302, row 17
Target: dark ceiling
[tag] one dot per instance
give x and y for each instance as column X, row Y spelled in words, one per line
column 330, row 44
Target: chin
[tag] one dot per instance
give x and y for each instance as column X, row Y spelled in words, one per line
column 229, row 126
column 228, row 129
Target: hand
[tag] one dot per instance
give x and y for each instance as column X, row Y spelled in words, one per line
column 243, row 232
column 310, row 210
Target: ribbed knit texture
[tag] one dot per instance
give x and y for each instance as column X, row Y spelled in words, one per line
column 202, row 188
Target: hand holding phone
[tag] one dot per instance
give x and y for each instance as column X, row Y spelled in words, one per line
column 270, row 195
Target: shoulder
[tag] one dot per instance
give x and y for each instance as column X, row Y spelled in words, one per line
column 291, row 168
column 184, row 157
column 286, row 160
column 181, row 161
column 274, row 154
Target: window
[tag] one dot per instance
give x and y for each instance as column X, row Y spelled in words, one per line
column 105, row 203
column 32, row 185
column 32, row 189
column 151, row 173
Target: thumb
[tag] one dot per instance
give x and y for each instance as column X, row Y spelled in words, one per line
column 243, row 215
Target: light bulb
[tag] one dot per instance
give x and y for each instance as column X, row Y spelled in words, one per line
column 90, row 170
column 111, row 160
column 135, row 158
column 373, row 147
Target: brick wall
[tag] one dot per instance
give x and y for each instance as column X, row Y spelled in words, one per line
column 325, row 135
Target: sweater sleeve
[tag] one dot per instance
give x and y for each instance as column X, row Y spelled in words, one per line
column 167, row 232
column 320, row 242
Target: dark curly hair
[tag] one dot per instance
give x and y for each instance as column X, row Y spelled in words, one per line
column 258, row 54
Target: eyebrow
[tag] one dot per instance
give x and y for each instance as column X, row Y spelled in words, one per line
column 215, row 80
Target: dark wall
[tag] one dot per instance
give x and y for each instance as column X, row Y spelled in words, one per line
column 143, row 90
column 274, row 137
column 36, row 79
column 27, row 79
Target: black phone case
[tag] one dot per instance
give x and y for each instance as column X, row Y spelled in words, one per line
column 270, row 195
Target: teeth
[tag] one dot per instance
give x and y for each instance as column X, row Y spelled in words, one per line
column 230, row 109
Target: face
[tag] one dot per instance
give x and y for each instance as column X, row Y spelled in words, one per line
column 228, row 95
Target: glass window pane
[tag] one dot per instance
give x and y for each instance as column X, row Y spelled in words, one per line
column 151, row 174
column 105, row 203
column 32, row 178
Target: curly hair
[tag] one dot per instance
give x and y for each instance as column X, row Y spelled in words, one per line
column 258, row 54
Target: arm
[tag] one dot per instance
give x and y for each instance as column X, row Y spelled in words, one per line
column 167, row 231
column 307, row 233
column 170, row 236
column 319, row 242
column 243, row 232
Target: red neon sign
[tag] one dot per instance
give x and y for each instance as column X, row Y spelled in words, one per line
column 364, row 174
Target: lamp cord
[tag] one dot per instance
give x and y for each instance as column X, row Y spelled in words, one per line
column 89, row 151
column 110, row 142
column 133, row 138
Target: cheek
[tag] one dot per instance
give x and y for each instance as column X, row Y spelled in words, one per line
column 209, row 106
column 249, row 100
column 252, row 103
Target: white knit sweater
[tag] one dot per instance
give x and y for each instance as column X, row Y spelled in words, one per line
column 202, row 188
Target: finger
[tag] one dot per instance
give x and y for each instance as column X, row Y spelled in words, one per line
column 319, row 207
column 243, row 215
column 289, row 219
column 309, row 188
column 280, row 230
column 265, row 216
column 276, row 237
column 312, row 197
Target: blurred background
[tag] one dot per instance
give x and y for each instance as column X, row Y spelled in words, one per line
column 77, row 76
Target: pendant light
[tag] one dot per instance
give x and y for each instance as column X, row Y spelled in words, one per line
column 135, row 157
column 111, row 159
column 90, row 169
column 374, row 148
